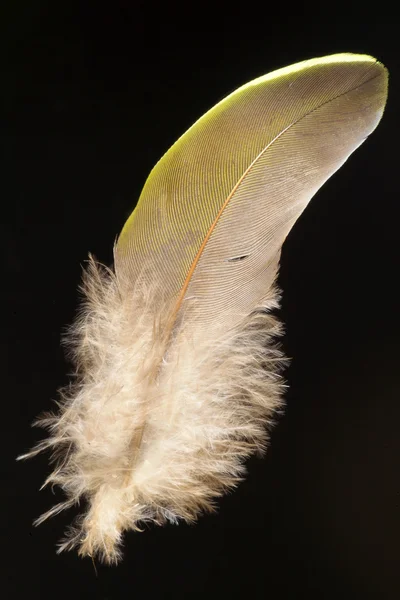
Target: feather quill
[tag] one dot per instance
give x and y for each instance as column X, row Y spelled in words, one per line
column 178, row 367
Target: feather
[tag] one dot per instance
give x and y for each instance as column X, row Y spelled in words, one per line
column 178, row 368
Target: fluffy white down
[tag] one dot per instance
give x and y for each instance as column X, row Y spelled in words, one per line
column 151, row 431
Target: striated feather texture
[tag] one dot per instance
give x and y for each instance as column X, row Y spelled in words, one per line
column 177, row 362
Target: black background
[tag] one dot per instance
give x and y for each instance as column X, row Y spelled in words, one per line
column 92, row 95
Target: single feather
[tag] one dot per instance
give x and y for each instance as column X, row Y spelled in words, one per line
column 178, row 368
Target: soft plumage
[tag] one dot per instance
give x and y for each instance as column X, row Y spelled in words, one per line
column 157, row 433
column 177, row 364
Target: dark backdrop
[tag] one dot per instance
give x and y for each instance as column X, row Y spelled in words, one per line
column 91, row 97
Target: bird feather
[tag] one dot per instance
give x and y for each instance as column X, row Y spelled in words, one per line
column 178, row 367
